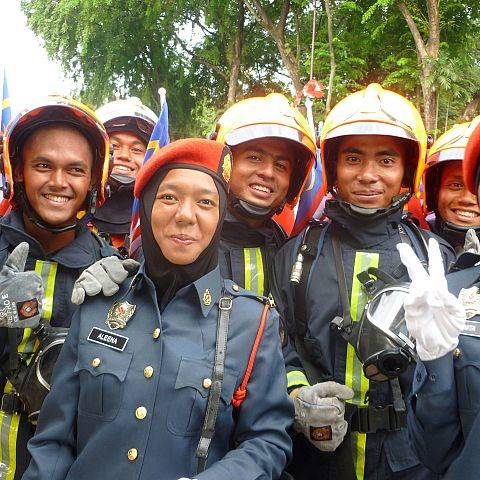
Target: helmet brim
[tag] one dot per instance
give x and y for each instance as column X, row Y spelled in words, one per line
column 370, row 128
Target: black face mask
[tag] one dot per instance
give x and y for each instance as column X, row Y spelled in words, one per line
column 167, row 277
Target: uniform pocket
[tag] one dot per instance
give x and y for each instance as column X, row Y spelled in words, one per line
column 189, row 400
column 102, row 373
column 467, row 376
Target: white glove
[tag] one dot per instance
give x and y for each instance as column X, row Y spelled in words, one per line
column 185, row 478
column 319, row 414
column 104, row 275
column 472, row 244
column 433, row 315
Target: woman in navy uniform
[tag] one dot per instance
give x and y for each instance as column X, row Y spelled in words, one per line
column 444, row 318
column 148, row 384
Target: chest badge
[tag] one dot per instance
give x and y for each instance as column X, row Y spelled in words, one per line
column 470, row 299
column 119, row 314
column 207, row 298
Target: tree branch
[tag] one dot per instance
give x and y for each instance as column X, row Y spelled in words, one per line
column 282, row 21
column 433, row 43
column 202, row 60
column 417, row 37
column 260, row 15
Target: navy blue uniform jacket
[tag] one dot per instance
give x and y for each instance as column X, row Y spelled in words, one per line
column 444, row 419
column 91, row 427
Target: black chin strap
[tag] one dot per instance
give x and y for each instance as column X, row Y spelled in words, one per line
column 249, row 210
column 37, row 221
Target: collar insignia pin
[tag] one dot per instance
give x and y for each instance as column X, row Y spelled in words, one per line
column 470, row 299
column 207, row 298
column 119, row 314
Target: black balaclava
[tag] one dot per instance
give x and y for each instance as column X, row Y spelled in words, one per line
column 167, row 277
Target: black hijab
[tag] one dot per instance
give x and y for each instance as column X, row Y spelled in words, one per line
column 167, row 277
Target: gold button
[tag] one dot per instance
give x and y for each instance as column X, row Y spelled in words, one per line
column 235, row 287
column 156, row 333
column 132, row 454
column 457, row 352
column 207, row 383
column 95, row 362
column 148, row 371
column 141, row 413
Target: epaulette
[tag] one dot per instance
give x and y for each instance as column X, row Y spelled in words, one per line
column 237, row 291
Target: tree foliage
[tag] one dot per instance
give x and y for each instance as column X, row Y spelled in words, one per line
column 206, row 53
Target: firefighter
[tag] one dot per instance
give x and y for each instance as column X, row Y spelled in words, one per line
column 455, row 208
column 129, row 125
column 148, row 381
column 55, row 164
column 444, row 416
column 373, row 147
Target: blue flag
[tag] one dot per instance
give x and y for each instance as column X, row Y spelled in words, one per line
column 312, row 196
column 158, row 139
column 6, row 110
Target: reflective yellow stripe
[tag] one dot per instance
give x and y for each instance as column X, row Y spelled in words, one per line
column 254, row 274
column 296, row 378
column 8, row 422
column 354, row 376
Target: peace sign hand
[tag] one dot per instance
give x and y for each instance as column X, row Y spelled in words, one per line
column 433, row 315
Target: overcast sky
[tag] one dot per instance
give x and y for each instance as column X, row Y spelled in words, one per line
column 30, row 73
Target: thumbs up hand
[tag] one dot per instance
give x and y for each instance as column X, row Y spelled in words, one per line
column 21, row 293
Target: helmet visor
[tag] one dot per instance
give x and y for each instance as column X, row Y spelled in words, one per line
column 134, row 124
column 253, row 132
column 386, row 312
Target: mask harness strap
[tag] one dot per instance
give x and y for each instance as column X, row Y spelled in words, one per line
column 342, row 324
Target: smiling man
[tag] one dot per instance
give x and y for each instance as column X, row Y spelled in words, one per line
column 55, row 164
column 129, row 125
column 273, row 150
column 455, row 207
column 373, row 148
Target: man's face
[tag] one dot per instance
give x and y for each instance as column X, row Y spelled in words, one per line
column 185, row 214
column 455, row 203
column 56, row 171
column 370, row 169
column 261, row 171
column 128, row 153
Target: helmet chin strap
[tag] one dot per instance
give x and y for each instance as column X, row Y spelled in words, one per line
column 37, row 221
column 249, row 210
column 120, row 183
column 374, row 213
column 454, row 234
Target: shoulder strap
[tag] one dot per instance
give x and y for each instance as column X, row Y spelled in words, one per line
column 241, row 392
column 346, row 321
column 414, row 236
column 308, row 250
column 105, row 249
column 213, row 402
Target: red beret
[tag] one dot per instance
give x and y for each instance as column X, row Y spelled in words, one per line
column 471, row 160
column 208, row 156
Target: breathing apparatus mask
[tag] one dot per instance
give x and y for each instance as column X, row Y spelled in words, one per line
column 380, row 338
column 33, row 375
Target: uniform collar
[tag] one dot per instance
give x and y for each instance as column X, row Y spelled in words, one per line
column 237, row 232
column 77, row 254
column 364, row 231
column 212, row 282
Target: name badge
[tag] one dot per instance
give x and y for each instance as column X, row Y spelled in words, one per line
column 472, row 329
column 108, row 339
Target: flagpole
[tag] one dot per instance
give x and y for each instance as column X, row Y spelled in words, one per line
column 163, row 96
